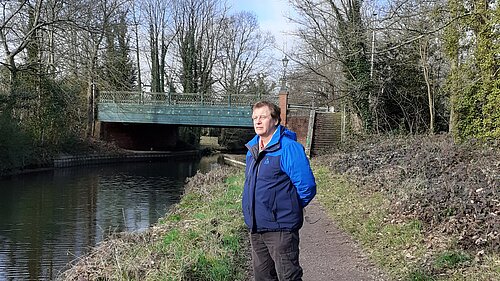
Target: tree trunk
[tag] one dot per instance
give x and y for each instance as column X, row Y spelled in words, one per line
column 90, row 109
column 430, row 95
column 137, row 50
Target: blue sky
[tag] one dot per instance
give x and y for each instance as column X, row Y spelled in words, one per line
column 271, row 15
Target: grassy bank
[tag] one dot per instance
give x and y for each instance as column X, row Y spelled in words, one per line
column 202, row 238
column 401, row 248
column 366, row 196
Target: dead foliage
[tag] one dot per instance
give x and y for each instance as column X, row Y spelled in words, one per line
column 452, row 188
column 102, row 261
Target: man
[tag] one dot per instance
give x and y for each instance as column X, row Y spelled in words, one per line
column 279, row 183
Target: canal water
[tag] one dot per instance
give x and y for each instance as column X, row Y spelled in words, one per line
column 49, row 219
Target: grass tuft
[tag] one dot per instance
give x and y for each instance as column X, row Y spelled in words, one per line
column 420, row 275
column 171, row 236
column 451, row 259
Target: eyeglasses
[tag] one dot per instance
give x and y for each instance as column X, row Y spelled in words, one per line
column 260, row 117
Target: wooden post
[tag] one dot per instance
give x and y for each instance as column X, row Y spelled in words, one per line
column 283, row 100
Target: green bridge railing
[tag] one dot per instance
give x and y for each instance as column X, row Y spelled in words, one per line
column 177, row 108
column 180, row 99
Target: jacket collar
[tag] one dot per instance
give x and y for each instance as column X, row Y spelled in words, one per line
column 273, row 145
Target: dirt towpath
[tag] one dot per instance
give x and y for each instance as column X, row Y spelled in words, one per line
column 328, row 254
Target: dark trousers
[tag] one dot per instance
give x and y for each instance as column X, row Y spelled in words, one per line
column 275, row 256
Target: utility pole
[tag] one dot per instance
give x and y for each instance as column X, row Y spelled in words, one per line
column 373, row 48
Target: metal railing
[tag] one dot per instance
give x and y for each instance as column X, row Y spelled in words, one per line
column 178, row 99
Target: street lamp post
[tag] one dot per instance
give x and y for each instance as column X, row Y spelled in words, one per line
column 285, row 64
column 283, row 95
column 260, row 85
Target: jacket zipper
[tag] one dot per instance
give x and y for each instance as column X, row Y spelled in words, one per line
column 257, row 169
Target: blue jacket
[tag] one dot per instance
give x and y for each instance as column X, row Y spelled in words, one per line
column 279, row 183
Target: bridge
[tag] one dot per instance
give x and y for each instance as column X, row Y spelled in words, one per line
column 177, row 109
column 150, row 121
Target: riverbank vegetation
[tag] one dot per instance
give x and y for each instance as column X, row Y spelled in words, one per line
column 423, row 207
column 202, row 238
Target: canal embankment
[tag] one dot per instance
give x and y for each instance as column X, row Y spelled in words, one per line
column 130, row 156
column 104, row 158
column 203, row 237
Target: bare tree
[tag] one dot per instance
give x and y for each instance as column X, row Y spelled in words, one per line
column 94, row 21
column 318, row 63
column 198, row 26
column 136, row 19
column 387, row 90
column 243, row 53
column 334, row 33
column 425, row 69
column 21, row 23
column 158, row 18
column 417, row 27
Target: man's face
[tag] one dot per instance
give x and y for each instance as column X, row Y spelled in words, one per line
column 263, row 124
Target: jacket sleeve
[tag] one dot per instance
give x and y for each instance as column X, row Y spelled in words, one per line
column 295, row 164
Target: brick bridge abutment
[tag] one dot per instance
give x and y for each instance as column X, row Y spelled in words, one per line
column 140, row 136
column 318, row 132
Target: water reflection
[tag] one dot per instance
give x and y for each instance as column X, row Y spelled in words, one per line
column 48, row 219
